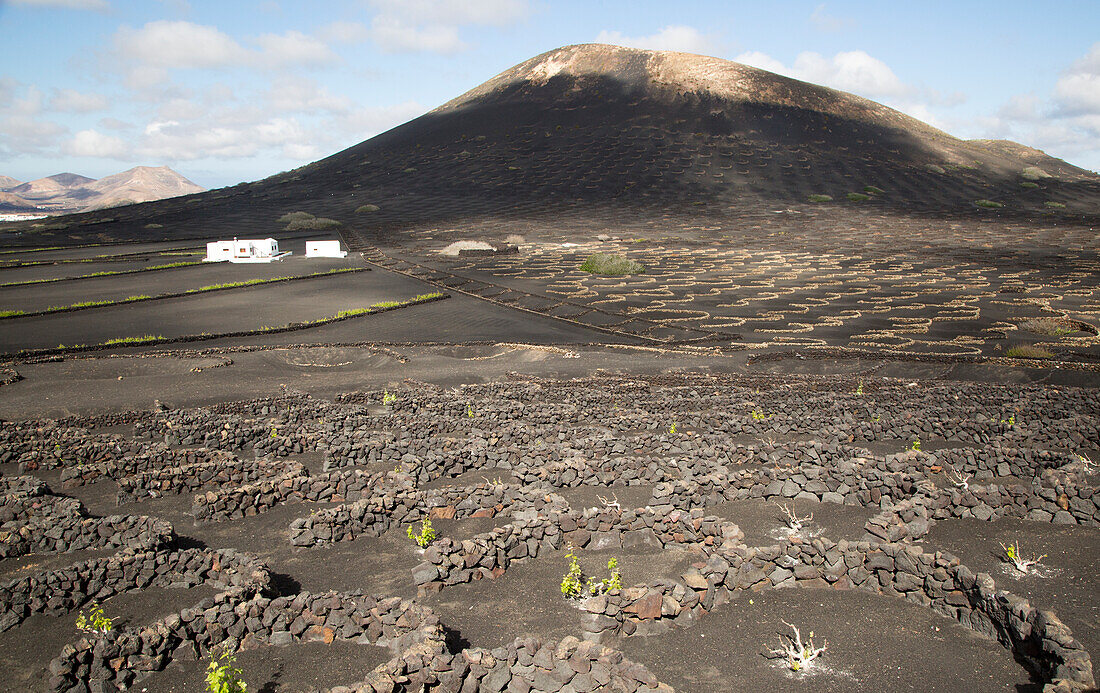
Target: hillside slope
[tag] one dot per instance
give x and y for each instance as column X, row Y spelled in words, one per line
column 593, row 127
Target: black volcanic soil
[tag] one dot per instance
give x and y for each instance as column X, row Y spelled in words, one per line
column 26, row 651
column 1068, row 579
column 748, row 280
column 874, row 644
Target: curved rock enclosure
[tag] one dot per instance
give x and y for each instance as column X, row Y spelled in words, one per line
column 845, row 393
column 507, row 455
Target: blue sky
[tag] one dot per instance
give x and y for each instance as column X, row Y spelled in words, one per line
column 233, row 91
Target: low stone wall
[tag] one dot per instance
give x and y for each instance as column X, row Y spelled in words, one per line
column 488, row 555
column 18, row 508
column 63, row 591
column 389, row 507
column 55, row 524
column 937, row 581
column 152, row 457
column 527, row 664
column 71, row 448
column 292, row 487
column 230, row 471
column 241, row 619
column 24, row 485
column 1054, row 495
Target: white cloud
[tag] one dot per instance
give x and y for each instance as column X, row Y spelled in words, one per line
column 762, row 61
column 20, row 134
column 1077, row 92
column 853, row 71
column 1022, row 107
column 175, row 141
column 24, row 128
column 114, row 124
column 301, row 95
column 342, row 31
column 96, row 144
column 145, row 78
column 73, row 101
column 367, row 121
column 292, row 48
column 681, row 38
column 179, row 44
column 453, row 12
column 395, row 36
column 1064, row 123
column 433, row 25
column 164, row 44
column 823, row 21
column 97, row 5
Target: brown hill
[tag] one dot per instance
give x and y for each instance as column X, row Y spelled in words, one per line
column 70, row 192
column 10, row 202
column 587, row 128
column 51, row 187
column 7, row 183
column 140, row 184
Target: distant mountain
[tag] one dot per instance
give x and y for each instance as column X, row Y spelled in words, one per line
column 7, row 183
column 140, row 184
column 8, row 201
column 70, row 192
column 591, row 133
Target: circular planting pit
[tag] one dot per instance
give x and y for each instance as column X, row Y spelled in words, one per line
column 686, row 499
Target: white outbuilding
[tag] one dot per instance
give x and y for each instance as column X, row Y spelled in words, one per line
column 324, row 249
column 244, row 250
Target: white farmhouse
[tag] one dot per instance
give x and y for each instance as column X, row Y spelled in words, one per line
column 324, row 249
column 244, row 250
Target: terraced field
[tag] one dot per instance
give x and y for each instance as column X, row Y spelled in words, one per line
column 846, row 390
column 732, row 504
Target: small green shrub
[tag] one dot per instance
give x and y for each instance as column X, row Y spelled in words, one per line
column 1029, row 185
column 363, row 209
column 351, row 313
column 388, row 398
column 10, row 313
column 95, row 621
column 1034, row 173
column 820, row 198
column 1015, row 558
column 1055, row 205
column 222, row 676
column 313, row 224
column 572, row 584
column 988, row 204
column 1052, row 327
column 611, row 265
column 134, row 340
column 1028, row 351
column 290, row 217
column 858, row 197
column 872, row 190
column 426, row 535
column 614, row 582
column 154, row 226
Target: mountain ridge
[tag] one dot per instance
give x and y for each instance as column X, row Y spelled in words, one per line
column 71, row 192
column 594, row 132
